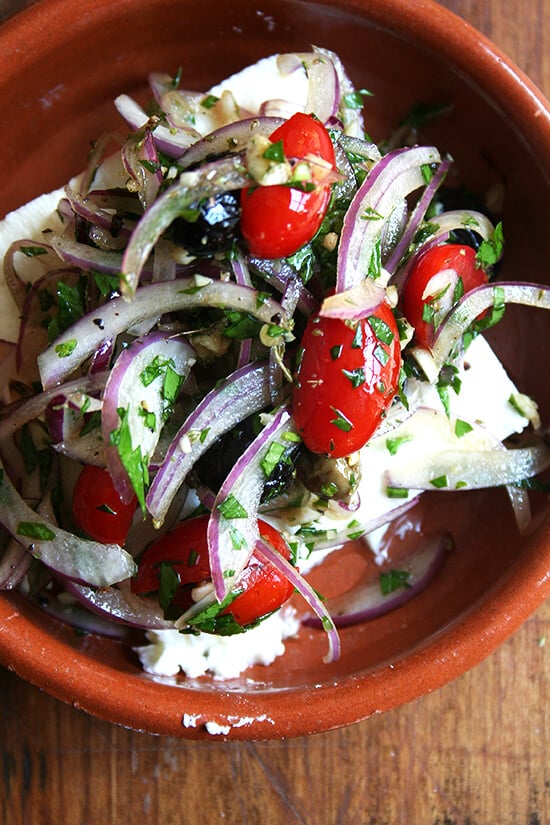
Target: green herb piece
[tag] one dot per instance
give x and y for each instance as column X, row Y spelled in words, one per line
column 393, row 444
column 427, row 172
column 491, row 249
column 370, row 214
column 33, row 251
column 168, row 584
column 35, row 530
column 357, row 341
column 106, row 284
column 329, row 489
column 356, row 376
column 149, row 418
column 375, row 264
column 152, row 166
column 232, row 508
column 382, row 330
column 131, row 457
column 275, row 151
column 439, row 482
column 274, row 454
column 341, row 421
column 291, row 437
column 462, row 427
column 241, row 325
column 66, row 348
column 209, row 101
column 336, row 351
column 354, row 100
column 393, row 580
column 397, row 492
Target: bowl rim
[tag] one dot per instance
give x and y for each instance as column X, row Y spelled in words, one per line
column 157, row 707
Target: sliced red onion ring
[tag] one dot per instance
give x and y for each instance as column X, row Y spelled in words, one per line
column 87, row 257
column 75, row 558
column 360, row 301
column 32, row 408
column 417, row 217
column 277, row 273
column 18, row 288
column 470, row 470
column 81, row 340
column 191, row 187
column 352, row 530
column 141, row 161
column 233, row 138
column 76, row 615
column 14, row 563
column 86, row 207
column 233, row 525
column 242, row 393
column 315, row 602
column 389, row 181
column 136, row 385
column 120, row 605
column 442, row 226
column 475, row 302
column 366, row 601
column 323, row 93
column 171, row 142
column 352, row 116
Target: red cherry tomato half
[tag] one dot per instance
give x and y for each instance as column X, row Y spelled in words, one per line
column 428, row 296
column 264, row 588
column 277, row 220
column 97, row 508
column 347, row 376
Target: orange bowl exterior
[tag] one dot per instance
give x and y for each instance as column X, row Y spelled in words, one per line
column 56, row 95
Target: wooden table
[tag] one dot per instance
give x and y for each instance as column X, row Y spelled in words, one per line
column 476, row 752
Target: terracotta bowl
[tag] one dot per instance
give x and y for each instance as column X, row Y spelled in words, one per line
column 56, row 94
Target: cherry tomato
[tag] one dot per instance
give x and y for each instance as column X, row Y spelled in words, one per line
column 264, row 588
column 347, row 376
column 277, row 220
column 97, row 507
column 427, row 298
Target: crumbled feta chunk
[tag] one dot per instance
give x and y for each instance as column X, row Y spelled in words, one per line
column 224, row 657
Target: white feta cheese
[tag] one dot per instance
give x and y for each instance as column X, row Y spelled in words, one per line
column 29, row 222
column 224, row 657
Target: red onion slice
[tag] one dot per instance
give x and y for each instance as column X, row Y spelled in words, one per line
column 35, row 406
column 470, row 470
column 358, row 302
column 389, row 181
column 136, row 385
column 75, row 558
column 441, row 452
column 242, row 393
column 191, row 187
column 475, row 302
column 315, row 602
column 417, row 217
column 76, row 615
column 366, row 601
column 80, row 341
column 171, row 142
column 14, row 563
column 120, row 605
column 233, row 525
column 233, row 137
column 141, row 161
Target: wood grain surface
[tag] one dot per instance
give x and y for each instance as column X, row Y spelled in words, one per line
column 476, row 752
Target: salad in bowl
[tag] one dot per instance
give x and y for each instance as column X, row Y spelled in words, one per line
column 243, row 338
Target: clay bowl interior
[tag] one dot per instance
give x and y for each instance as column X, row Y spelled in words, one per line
column 58, row 92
